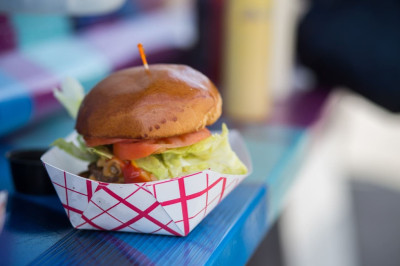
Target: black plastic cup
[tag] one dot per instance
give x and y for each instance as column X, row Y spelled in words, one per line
column 28, row 173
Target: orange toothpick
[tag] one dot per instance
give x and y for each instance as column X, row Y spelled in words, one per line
column 143, row 56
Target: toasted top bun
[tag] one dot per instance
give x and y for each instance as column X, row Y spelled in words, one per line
column 166, row 101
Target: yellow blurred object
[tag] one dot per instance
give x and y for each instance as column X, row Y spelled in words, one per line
column 247, row 58
column 258, row 59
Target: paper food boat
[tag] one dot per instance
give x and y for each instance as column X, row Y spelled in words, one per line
column 170, row 207
column 3, row 205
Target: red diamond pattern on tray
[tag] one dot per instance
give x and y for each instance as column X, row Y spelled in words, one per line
column 197, row 195
column 111, row 206
column 172, row 207
column 74, row 193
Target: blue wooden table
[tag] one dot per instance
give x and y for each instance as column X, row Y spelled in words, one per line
column 37, row 229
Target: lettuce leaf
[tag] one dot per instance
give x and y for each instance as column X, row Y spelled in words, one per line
column 212, row 153
column 81, row 151
column 101, row 151
column 70, row 95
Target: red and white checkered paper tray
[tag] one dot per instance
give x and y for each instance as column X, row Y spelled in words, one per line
column 170, row 207
column 3, row 205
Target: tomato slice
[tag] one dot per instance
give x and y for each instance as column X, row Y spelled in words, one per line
column 185, row 139
column 140, row 149
column 134, row 150
column 133, row 174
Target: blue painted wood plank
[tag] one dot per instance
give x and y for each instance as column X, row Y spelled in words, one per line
column 277, row 153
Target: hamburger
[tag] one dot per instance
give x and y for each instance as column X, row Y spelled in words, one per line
column 141, row 125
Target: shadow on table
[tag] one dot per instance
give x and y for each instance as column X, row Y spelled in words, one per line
column 26, row 215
